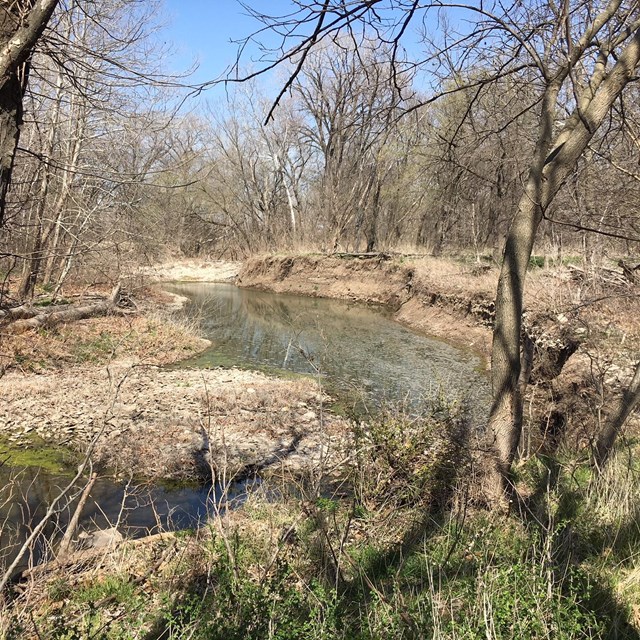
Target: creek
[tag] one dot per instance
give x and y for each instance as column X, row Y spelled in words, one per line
column 356, row 350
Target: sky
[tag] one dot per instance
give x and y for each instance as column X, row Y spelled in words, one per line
column 204, row 30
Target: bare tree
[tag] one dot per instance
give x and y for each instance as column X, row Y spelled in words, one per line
column 253, row 185
column 348, row 107
column 579, row 58
column 94, row 114
column 22, row 23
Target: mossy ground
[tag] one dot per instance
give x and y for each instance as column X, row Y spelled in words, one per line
column 35, row 453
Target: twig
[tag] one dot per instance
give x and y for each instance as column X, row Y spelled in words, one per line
column 65, row 544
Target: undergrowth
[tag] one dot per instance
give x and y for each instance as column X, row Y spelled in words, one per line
column 397, row 549
column 155, row 338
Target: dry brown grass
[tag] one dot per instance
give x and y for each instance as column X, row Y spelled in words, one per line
column 151, row 338
column 455, row 276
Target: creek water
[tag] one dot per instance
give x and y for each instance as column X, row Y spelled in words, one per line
column 356, row 350
column 137, row 509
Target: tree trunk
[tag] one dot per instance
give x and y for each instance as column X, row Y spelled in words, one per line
column 505, row 418
column 21, row 25
column 627, row 403
column 372, row 223
column 10, row 121
column 555, row 160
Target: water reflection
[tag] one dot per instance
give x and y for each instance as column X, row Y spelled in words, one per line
column 355, row 346
column 137, row 510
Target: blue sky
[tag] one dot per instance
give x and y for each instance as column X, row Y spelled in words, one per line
column 203, row 29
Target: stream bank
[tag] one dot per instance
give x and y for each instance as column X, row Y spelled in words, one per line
column 163, row 424
column 448, row 299
column 583, row 330
column 420, row 292
column 62, row 387
column 144, row 587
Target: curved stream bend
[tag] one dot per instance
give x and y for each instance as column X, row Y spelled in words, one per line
column 352, row 345
column 356, row 347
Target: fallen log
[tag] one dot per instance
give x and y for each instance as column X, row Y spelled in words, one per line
column 22, row 312
column 363, row 256
column 69, row 314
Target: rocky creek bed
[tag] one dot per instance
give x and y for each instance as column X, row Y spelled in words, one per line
column 175, row 424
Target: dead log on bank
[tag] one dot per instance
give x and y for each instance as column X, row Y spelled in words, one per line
column 22, row 312
column 367, row 255
column 52, row 318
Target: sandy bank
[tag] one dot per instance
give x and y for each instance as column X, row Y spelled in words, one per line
column 193, row 271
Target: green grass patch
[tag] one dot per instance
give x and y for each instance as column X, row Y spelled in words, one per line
column 95, row 350
column 400, row 550
column 536, row 262
column 118, row 588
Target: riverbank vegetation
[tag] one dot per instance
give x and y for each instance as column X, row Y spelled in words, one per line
column 496, row 149
column 397, row 547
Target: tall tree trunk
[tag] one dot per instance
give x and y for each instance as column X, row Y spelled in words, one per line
column 21, row 25
column 505, row 420
column 10, row 121
column 555, row 160
column 372, row 223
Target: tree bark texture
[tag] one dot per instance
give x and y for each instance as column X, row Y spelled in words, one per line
column 555, row 159
column 21, row 25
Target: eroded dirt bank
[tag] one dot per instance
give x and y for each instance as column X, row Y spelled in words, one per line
column 193, row 271
column 432, row 296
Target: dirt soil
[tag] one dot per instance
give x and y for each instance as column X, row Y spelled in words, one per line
column 163, row 423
